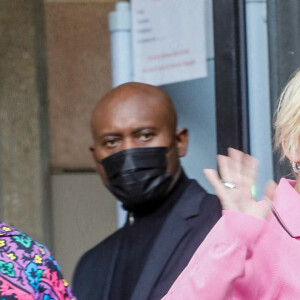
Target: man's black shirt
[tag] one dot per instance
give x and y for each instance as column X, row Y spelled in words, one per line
column 137, row 241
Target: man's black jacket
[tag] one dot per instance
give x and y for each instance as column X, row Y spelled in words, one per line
column 185, row 227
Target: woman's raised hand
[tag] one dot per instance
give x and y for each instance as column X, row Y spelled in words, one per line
column 235, row 187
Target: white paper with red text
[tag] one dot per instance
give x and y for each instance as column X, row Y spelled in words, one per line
column 169, row 42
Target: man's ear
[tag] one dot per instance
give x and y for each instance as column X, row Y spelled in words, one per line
column 182, row 138
column 92, row 150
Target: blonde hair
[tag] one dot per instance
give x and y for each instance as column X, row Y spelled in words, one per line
column 287, row 117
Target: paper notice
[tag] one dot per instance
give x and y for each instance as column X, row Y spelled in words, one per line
column 168, row 40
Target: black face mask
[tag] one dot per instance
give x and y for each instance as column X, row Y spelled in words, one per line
column 138, row 176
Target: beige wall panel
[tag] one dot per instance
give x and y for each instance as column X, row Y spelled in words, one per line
column 78, row 59
column 84, row 214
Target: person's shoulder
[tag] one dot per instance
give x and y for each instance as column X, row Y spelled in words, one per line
column 26, row 251
column 199, row 190
column 206, row 200
column 8, row 230
column 30, row 265
column 212, row 198
column 213, row 202
column 193, row 188
column 96, row 260
column 22, row 240
column 103, row 247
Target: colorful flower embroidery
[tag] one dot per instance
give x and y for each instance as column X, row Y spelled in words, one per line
column 24, row 240
column 65, row 282
column 6, row 228
column 33, row 275
column 27, row 271
column 11, row 255
column 7, row 268
column 11, row 291
column 54, row 263
column 47, row 297
column 38, row 259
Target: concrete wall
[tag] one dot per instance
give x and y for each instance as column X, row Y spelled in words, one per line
column 23, row 119
column 78, row 60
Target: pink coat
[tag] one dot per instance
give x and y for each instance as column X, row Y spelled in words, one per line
column 244, row 257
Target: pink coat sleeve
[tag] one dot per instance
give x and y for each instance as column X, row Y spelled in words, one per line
column 222, row 267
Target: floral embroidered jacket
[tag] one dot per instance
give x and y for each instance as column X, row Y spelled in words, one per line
column 27, row 270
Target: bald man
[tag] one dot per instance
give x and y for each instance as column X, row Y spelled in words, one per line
column 136, row 148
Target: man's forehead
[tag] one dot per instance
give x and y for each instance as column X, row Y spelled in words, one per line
column 129, row 110
column 133, row 100
column 134, row 108
column 129, row 125
column 129, row 122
